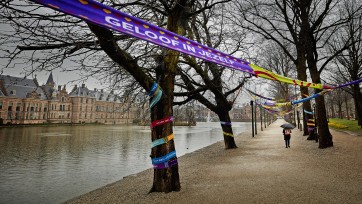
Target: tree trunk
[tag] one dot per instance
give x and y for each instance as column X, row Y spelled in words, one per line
column 333, row 111
column 357, row 97
column 346, row 103
column 301, row 74
column 340, row 111
column 227, row 130
column 167, row 179
column 325, row 137
column 310, row 46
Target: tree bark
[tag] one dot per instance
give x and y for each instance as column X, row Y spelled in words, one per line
column 346, row 103
column 228, row 139
column 357, row 97
column 302, row 75
column 333, row 111
column 325, row 137
column 306, row 105
column 340, row 111
column 167, row 179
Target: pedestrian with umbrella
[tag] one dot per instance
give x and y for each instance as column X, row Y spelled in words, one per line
column 287, row 130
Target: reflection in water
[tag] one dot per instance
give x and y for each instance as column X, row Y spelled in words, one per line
column 54, row 164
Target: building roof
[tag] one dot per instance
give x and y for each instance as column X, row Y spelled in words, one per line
column 82, row 91
column 106, row 96
column 99, row 95
column 10, row 80
column 20, row 87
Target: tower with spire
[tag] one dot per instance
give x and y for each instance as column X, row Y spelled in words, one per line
column 50, row 81
column 49, row 86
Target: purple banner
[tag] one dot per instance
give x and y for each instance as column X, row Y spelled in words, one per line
column 108, row 17
column 111, row 18
column 350, row 83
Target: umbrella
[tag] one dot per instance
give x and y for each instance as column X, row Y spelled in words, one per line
column 287, row 126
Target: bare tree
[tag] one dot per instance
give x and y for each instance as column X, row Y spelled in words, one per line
column 308, row 25
column 274, row 59
column 199, row 80
column 276, row 21
column 349, row 62
column 45, row 39
column 278, row 62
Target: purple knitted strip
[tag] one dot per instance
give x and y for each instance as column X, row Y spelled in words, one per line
column 165, row 165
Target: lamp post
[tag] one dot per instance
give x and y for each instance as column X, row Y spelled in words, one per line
column 252, row 117
column 264, row 118
column 315, row 132
column 256, row 131
column 298, row 119
column 305, row 121
column 261, row 118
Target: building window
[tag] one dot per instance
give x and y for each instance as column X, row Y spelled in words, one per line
column 10, row 107
column 62, row 99
column 1, row 105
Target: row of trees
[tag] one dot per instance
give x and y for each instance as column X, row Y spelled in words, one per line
column 317, row 36
column 340, row 104
column 296, row 36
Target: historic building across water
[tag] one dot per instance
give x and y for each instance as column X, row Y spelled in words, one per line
column 23, row 101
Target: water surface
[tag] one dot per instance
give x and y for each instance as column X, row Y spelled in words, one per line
column 55, row 164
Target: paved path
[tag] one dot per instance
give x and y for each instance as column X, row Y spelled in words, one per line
column 261, row 170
